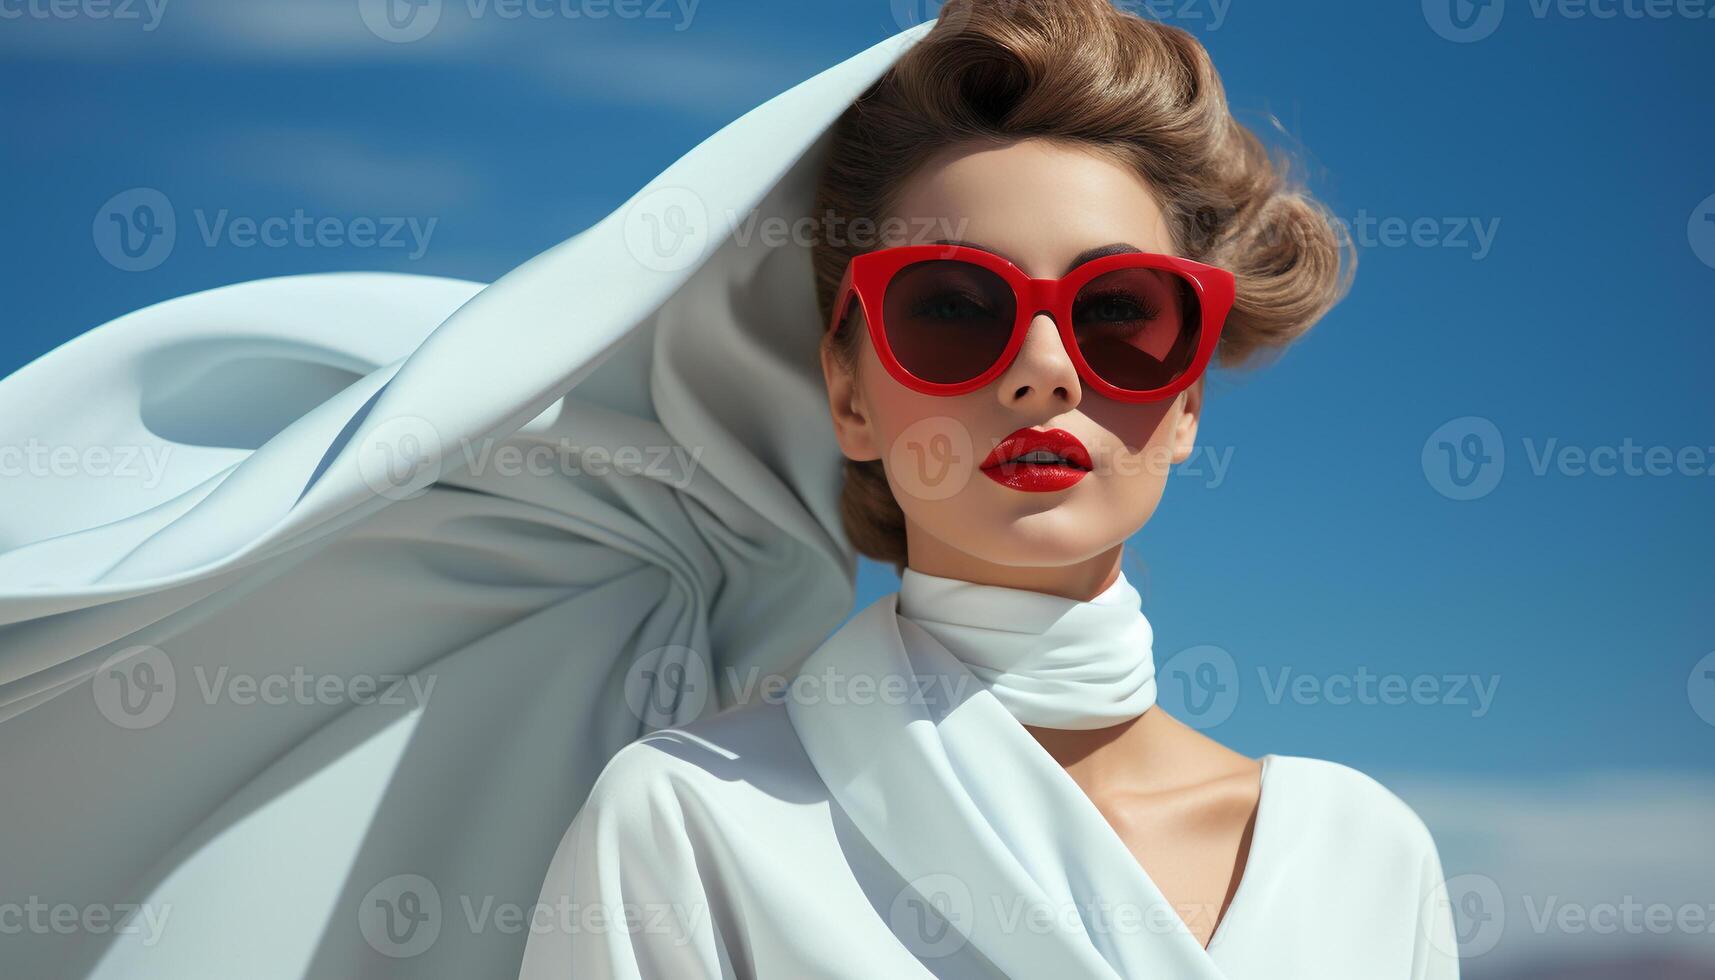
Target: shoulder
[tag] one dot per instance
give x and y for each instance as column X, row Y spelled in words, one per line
column 1318, row 799
column 749, row 752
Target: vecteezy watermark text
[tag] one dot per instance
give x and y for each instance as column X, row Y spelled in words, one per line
column 1464, row 458
column 1466, row 21
column 404, row 21
column 41, row 918
column 137, row 230
column 403, row 915
column 34, row 458
column 137, row 687
column 148, row 13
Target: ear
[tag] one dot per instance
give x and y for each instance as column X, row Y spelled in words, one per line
column 1185, row 425
column 852, row 429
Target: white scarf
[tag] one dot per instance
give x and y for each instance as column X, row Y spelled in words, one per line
column 928, row 758
column 1050, row 661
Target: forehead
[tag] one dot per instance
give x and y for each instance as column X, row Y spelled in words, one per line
column 1038, row 202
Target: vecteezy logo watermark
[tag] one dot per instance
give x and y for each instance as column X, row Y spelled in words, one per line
column 401, row 916
column 667, row 229
column 840, row 231
column 1700, row 688
column 1464, row 458
column 135, row 687
column 671, row 228
column 910, row 13
column 1467, row 233
column 136, row 230
column 1464, row 21
column 301, row 230
column 932, row 915
column 404, row 21
column 1199, row 686
column 937, row 692
column 669, row 685
column 1700, row 231
column 1192, row 15
column 400, row 21
column 933, row 458
column 1629, row 916
column 402, row 456
column 1361, row 687
column 146, row 12
column 1479, row 915
column 1207, row 15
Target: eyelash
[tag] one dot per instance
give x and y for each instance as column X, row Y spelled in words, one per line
column 1148, row 310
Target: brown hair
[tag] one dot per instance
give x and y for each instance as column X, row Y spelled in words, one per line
column 1080, row 71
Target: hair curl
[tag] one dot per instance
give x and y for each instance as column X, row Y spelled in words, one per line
column 1080, row 71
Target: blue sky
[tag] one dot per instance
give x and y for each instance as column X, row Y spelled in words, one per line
column 1536, row 279
column 1522, row 202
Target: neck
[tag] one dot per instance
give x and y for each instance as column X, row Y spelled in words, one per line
column 1081, row 580
column 1152, row 753
column 1117, row 754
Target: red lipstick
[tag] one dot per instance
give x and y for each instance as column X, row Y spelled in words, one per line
column 1038, row 461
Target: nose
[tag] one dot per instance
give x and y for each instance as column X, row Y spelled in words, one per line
column 1041, row 379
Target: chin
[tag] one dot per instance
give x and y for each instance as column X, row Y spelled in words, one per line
column 1039, row 533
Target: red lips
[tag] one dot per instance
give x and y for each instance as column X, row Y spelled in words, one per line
column 1039, row 461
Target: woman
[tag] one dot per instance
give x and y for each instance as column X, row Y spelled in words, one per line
column 1011, row 804
column 315, row 684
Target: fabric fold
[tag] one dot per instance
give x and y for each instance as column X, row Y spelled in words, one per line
column 1052, row 662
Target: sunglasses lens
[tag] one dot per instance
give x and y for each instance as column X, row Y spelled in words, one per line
column 947, row 320
column 1138, row 328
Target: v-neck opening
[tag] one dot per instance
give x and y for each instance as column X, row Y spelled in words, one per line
column 1245, row 876
column 940, row 751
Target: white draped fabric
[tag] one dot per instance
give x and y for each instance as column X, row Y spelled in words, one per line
column 1051, row 662
column 324, row 599
column 886, row 815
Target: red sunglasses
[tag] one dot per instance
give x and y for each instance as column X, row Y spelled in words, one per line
column 949, row 319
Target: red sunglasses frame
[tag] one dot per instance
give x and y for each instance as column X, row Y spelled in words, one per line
column 867, row 277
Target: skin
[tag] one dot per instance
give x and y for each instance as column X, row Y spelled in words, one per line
column 1183, row 804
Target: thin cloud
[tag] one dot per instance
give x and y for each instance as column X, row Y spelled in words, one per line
column 1581, row 847
column 339, row 170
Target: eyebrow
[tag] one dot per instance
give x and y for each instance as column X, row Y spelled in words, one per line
column 1087, row 255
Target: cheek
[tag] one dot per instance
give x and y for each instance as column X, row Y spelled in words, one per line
column 896, row 412
column 1137, row 454
column 1133, row 428
column 930, row 445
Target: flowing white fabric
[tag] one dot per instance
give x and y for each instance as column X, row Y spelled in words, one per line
column 889, row 817
column 1050, row 661
column 323, row 600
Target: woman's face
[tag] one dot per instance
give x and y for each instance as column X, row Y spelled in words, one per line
column 1040, row 205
